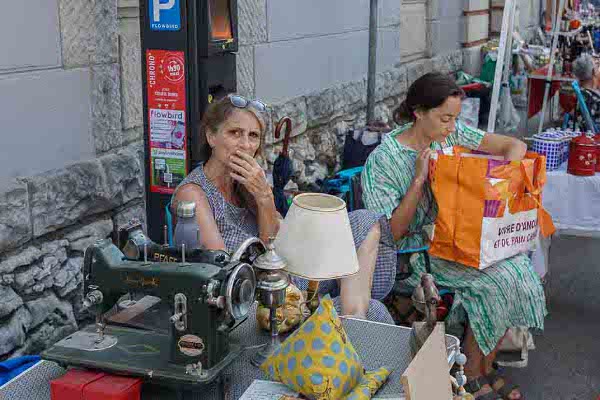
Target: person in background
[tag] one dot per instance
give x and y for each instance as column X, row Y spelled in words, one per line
column 395, row 183
column 586, row 72
column 234, row 202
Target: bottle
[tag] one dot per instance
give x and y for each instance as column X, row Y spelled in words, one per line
column 187, row 230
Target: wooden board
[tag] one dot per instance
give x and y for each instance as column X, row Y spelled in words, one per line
column 427, row 376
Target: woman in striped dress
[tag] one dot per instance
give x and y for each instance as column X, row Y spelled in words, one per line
column 234, row 202
column 394, row 183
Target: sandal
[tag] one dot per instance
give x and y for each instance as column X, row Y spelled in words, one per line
column 475, row 385
column 506, row 388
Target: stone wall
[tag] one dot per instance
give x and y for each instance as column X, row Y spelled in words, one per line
column 60, row 196
column 49, row 216
column 527, row 18
column 321, row 119
column 310, row 45
column 483, row 20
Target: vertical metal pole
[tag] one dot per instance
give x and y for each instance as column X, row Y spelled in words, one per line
column 372, row 62
column 505, row 99
column 548, row 83
column 509, row 7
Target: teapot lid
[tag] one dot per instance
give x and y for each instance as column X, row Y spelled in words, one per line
column 583, row 140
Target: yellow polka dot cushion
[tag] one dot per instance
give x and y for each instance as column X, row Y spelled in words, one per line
column 369, row 385
column 317, row 360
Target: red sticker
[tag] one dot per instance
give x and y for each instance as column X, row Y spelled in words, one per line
column 165, row 77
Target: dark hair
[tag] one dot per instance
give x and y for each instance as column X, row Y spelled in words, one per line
column 429, row 91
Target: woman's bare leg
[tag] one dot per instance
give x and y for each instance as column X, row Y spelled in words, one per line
column 355, row 291
column 477, row 364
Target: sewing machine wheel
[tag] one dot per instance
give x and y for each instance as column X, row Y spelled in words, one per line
column 241, row 287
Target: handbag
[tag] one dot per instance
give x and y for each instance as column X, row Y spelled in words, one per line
column 356, row 151
column 517, row 340
column 488, row 209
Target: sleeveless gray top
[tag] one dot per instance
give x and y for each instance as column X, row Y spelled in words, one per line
column 235, row 224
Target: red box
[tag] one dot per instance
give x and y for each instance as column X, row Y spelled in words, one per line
column 112, row 387
column 71, row 385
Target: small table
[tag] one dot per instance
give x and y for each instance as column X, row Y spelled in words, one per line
column 536, row 89
column 377, row 344
column 574, row 204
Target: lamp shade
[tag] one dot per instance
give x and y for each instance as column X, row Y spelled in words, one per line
column 315, row 238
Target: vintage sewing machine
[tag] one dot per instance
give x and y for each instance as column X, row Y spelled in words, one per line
column 167, row 320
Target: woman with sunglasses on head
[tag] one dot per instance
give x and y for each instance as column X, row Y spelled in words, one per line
column 395, row 183
column 235, row 202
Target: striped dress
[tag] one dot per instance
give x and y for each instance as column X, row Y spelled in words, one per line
column 237, row 224
column 505, row 295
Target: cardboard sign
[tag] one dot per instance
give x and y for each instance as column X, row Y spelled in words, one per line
column 427, row 376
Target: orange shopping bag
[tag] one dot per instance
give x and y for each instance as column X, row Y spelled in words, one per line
column 488, row 209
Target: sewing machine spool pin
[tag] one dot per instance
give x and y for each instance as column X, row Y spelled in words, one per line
column 145, row 253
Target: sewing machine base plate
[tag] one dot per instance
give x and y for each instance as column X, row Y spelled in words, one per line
column 88, row 341
column 136, row 353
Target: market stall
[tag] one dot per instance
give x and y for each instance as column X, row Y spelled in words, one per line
column 574, row 203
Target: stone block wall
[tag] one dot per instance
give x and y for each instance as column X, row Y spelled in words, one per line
column 483, row 20
column 445, row 22
column 476, row 33
column 323, row 46
column 73, row 171
column 310, row 45
column 322, row 118
column 77, row 169
column 527, row 18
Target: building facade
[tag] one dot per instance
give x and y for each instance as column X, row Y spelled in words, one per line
column 72, row 166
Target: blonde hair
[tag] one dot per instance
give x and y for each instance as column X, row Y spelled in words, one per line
column 217, row 113
column 214, row 116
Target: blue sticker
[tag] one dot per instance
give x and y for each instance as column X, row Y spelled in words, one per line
column 165, row 15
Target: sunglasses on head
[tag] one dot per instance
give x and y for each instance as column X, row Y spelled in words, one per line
column 241, row 102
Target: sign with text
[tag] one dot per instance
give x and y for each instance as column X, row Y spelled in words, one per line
column 165, row 15
column 165, row 77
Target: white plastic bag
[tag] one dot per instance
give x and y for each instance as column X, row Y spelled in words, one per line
column 517, row 339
